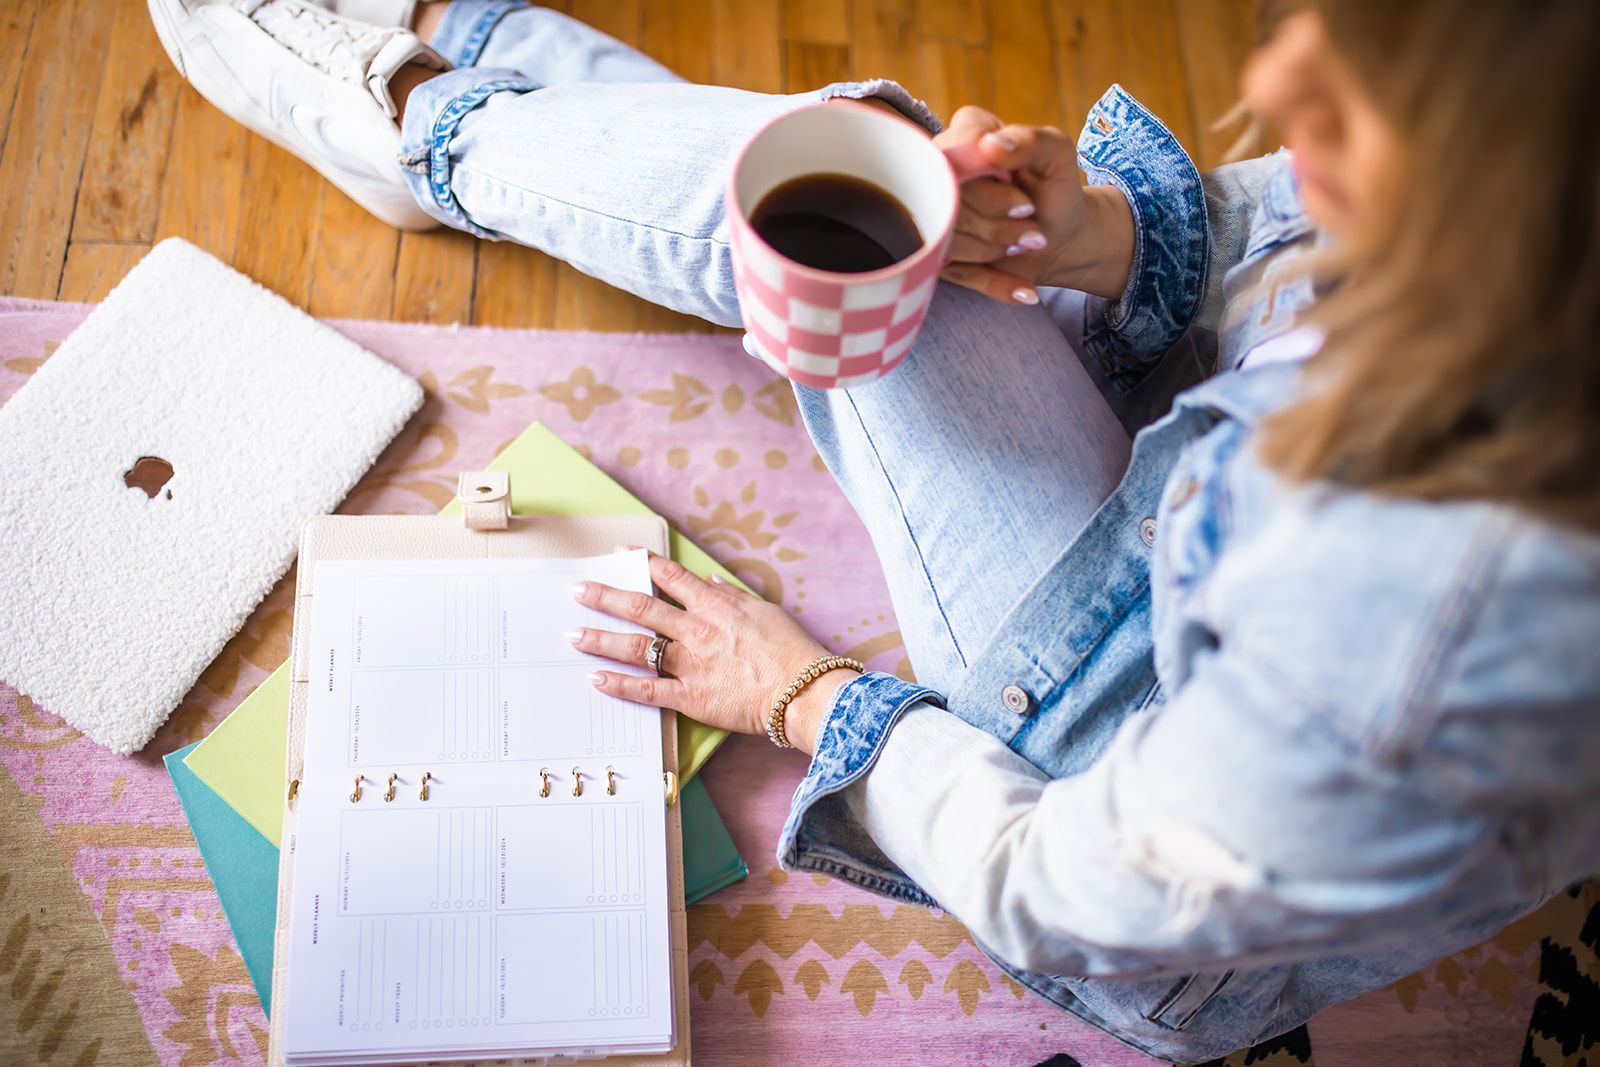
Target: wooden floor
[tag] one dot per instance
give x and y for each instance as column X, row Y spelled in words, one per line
column 104, row 149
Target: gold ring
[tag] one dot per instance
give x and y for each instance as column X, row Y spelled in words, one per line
column 655, row 653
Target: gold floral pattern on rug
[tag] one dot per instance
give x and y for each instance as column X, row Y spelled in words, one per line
column 688, row 397
column 474, row 388
column 581, row 393
column 30, row 728
column 210, row 992
column 28, row 365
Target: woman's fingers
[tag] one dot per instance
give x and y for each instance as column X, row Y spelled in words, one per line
column 624, row 648
column 1038, row 151
column 995, row 284
column 648, row 689
column 969, row 123
column 642, row 608
column 677, row 581
column 1002, row 237
column 996, row 199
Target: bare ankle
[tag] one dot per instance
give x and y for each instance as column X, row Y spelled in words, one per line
column 427, row 19
column 404, row 81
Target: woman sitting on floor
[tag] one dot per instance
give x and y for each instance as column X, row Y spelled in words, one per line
column 1289, row 694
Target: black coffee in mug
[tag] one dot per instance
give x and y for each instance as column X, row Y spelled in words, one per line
column 837, row 223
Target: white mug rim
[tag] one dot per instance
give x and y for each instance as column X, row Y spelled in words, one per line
column 930, row 245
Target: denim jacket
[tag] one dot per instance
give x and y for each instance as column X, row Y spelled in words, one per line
column 1246, row 749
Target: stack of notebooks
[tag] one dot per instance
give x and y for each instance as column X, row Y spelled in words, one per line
column 232, row 786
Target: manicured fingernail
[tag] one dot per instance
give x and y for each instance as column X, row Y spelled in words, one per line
column 1015, row 250
column 1021, row 211
column 574, row 636
column 1032, row 239
column 1000, row 140
column 1025, row 296
column 595, row 677
column 578, row 589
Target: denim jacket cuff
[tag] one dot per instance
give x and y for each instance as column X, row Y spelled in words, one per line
column 818, row 835
column 1124, row 145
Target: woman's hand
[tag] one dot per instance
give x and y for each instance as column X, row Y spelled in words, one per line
column 730, row 654
column 1044, row 227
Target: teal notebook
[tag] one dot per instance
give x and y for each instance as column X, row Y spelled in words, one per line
column 243, row 864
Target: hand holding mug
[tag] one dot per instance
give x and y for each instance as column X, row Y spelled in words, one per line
column 1040, row 228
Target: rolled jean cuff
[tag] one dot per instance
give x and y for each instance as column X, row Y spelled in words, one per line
column 465, row 28
column 891, row 93
column 435, row 109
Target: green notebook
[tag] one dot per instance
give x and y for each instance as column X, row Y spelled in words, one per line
column 243, row 758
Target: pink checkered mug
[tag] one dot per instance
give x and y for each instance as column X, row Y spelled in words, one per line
column 822, row 328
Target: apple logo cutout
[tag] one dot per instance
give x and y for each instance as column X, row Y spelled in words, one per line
column 148, row 474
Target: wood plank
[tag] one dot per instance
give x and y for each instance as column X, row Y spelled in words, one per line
column 950, row 76
column 94, row 268
column 747, row 45
column 883, row 42
column 1215, row 37
column 353, row 266
column 1027, row 83
column 278, row 217
column 202, row 194
column 43, row 158
column 516, row 286
column 121, row 191
column 955, row 21
column 433, row 277
column 675, row 36
column 1132, row 42
column 811, row 66
column 817, row 21
column 16, row 25
column 585, row 303
column 622, row 19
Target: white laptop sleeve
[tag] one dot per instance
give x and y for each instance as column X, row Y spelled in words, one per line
column 119, row 583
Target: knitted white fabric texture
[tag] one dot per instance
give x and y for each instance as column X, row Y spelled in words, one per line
column 113, row 601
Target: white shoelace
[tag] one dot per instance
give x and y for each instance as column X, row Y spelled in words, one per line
column 333, row 45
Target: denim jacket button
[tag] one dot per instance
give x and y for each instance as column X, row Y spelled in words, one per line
column 1147, row 530
column 1016, row 699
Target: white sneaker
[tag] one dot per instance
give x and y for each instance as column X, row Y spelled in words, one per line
column 309, row 80
column 400, row 13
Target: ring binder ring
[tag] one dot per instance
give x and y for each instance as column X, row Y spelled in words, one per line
column 611, row 781
column 427, row 776
column 355, row 793
column 390, row 794
column 544, row 781
column 577, row 782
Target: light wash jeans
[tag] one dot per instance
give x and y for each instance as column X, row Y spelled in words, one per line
column 1192, row 786
column 971, row 465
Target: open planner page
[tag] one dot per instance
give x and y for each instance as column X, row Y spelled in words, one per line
column 471, row 911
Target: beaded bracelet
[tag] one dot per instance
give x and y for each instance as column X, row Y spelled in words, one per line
column 814, row 670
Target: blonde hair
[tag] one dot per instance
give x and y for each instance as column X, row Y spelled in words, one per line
column 1462, row 358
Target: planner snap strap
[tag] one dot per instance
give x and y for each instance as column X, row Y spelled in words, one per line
column 485, row 499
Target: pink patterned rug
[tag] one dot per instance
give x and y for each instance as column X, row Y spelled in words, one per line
column 785, row 969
